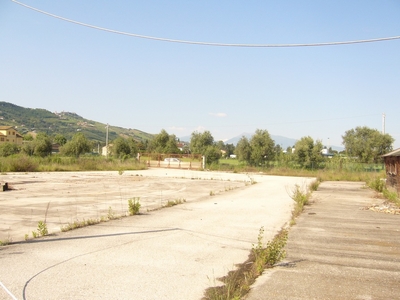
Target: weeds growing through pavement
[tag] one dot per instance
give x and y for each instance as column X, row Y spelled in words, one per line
column 174, row 202
column 237, row 283
column 5, row 242
column 79, row 224
column 302, row 197
column 134, row 206
column 267, row 257
column 111, row 215
column 42, row 228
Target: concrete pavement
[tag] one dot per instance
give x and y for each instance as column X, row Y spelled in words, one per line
column 337, row 250
column 172, row 253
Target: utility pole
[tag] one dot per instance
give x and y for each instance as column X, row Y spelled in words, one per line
column 383, row 123
column 107, row 141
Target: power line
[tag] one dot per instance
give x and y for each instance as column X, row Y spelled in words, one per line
column 209, row 43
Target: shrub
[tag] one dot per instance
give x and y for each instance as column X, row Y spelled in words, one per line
column 377, row 184
column 22, row 163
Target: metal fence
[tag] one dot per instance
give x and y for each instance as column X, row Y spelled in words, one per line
column 174, row 161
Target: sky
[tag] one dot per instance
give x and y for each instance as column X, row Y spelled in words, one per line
column 150, row 85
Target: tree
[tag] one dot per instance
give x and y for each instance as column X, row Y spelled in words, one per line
column 77, row 146
column 278, row 151
column 308, row 153
column 42, row 145
column 243, row 150
column 367, row 144
column 133, row 146
column 227, row 149
column 230, row 149
column 60, row 139
column 212, row 154
column 262, row 147
column 7, row 149
column 172, row 146
column 200, row 141
column 28, row 137
column 28, row 148
column 203, row 143
column 163, row 143
column 121, row 147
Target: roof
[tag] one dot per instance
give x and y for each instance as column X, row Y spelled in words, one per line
column 393, row 153
column 6, row 127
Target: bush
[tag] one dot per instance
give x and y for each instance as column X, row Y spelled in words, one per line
column 7, row 149
column 21, row 163
column 377, row 184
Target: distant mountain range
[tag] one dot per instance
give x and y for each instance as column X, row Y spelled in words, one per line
column 27, row 120
column 284, row 142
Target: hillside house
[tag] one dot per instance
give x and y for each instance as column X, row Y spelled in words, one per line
column 392, row 166
column 9, row 134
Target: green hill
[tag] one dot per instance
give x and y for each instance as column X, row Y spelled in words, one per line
column 27, row 120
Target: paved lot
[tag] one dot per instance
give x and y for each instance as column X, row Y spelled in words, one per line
column 338, row 250
column 66, row 197
column 172, row 253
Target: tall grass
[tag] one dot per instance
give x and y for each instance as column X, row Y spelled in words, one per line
column 24, row 163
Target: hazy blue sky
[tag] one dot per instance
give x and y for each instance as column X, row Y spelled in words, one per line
column 152, row 85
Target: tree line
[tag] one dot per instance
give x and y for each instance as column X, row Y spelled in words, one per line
column 364, row 144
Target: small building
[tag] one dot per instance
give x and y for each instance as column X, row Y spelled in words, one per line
column 106, row 150
column 392, row 166
column 55, row 148
column 8, row 134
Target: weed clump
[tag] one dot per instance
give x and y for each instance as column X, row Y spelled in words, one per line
column 171, row 203
column 134, row 206
column 377, row 184
column 267, row 257
column 42, row 228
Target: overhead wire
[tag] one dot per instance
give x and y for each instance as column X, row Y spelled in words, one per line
column 161, row 39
